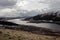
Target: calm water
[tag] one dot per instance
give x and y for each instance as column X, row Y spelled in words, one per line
column 45, row 25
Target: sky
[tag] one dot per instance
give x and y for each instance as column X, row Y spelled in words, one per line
column 14, row 8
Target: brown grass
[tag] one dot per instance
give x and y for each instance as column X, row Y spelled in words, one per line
column 8, row 34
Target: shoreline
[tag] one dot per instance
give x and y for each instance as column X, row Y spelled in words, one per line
column 35, row 30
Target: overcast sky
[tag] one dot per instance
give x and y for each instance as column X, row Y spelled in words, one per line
column 12, row 8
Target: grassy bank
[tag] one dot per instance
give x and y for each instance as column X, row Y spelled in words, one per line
column 34, row 29
column 27, row 32
column 9, row 34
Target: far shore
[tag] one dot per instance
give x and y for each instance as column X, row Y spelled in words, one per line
column 44, row 21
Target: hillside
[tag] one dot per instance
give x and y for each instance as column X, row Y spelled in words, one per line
column 26, row 32
column 8, row 34
column 49, row 17
column 55, row 16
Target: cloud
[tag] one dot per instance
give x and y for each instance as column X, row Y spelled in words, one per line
column 19, row 7
column 27, row 7
column 55, row 4
column 31, row 5
column 7, row 3
column 8, row 12
column 7, row 7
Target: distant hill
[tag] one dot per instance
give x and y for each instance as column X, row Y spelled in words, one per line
column 46, row 16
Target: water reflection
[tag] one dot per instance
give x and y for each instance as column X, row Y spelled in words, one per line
column 45, row 25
